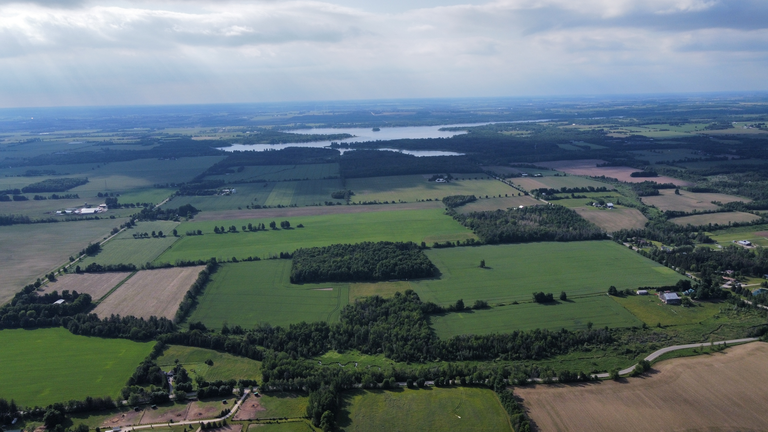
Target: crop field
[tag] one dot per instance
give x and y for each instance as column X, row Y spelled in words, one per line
column 256, row 292
column 724, row 391
column 487, row 204
column 277, row 404
column 516, row 271
column 291, row 212
column 688, row 201
column 412, row 225
column 756, row 234
column 281, row 173
column 439, row 409
column 574, row 203
column 146, row 195
column 572, row 315
column 723, row 218
column 150, row 293
column 95, row 284
column 124, row 249
column 23, row 260
column 294, row 426
column 587, row 167
column 44, row 366
column 613, row 220
column 381, row 289
column 418, row 187
column 556, row 182
column 225, row 366
column 652, row 311
column 303, row 193
column 657, row 156
column 44, row 209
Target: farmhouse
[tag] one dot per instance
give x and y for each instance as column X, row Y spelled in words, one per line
column 745, row 242
column 670, row 298
column 642, row 292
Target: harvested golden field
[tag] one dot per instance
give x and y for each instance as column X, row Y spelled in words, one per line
column 613, row 220
column 150, row 293
column 688, row 201
column 486, row 204
column 715, row 218
column 725, row 391
column 588, row 167
column 95, row 284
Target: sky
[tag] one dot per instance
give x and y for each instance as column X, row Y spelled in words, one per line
column 133, row 52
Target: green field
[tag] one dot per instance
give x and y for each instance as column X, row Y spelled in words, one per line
column 756, row 234
column 652, row 311
column 516, row 271
column 146, row 195
column 412, row 188
column 293, row 426
column 288, row 405
column 280, row 173
column 225, row 366
column 249, row 293
column 44, row 366
column 408, row 225
column 573, row 315
column 124, row 249
column 433, row 409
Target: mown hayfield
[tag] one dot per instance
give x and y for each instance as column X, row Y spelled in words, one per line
column 256, row 292
column 438, row 409
column 615, row 219
column 145, row 195
column 588, row 167
column 303, row 193
column 756, row 234
column 150, row 293
column 418, row 187
column 572, row 314
column 723, row 218
column 225, row 366
column 688, row 201
column 381, row 289
column 652, row 311
column 489, row 204
column 516, row 271
column 292, row 212
column 412, row 225
column 124, row 249
column 281, row 173
column 44, row 366
column 723, row 391
column 556, row 182
column 29, row 251
column 95, row 284
column 271, row 405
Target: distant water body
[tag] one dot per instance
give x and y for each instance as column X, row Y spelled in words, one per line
column 361, row 135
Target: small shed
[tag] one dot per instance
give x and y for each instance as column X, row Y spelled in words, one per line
column 59, row 301
column 609, row 205
column 745, row 242
column 642, row 292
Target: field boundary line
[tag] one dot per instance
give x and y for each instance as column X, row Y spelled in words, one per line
column 119, row 284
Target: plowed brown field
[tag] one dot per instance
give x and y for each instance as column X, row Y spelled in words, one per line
column 724, row 391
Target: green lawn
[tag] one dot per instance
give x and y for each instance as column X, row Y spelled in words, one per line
column 249, row 293
column 408, row 225
column 433, row 409
column 44, row 366
column 573, row 315
column 412, row 188
column 225, row 366
column 278, row 404
column 124, row 249
column 516, row 271
column 652, row 311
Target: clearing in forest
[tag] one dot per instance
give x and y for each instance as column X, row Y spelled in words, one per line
column 225, row 366
column 723, row 391
column 150, row 293
column 613, row 220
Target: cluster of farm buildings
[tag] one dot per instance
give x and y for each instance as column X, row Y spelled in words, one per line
column 84, row 210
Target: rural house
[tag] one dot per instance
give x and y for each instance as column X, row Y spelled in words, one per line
column 670, row 298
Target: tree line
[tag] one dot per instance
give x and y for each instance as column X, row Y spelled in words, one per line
column 55, row 185
column 454, row 201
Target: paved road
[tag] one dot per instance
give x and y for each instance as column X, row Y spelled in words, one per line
column 193, row 422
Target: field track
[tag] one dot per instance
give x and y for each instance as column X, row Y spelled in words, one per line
column 313, row 211
column 95, row 284
column 150, row 293
column 724, row 391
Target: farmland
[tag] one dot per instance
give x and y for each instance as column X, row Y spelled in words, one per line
column 274, row 404
column 615, row 219
column 572, row 315
column 515, row 271
column 95, row 284
column 124, row 249
column 225, row 366
column 718, row 391
column 556, row 182
column 413, row 225
column 652, row 311
column 588, row 167
column 722, row 218
column 291, row 212
column 150, row 293
column 487, row 204
column 249, row 293
column 44, row 366
column 688, row 201
column 418, row 187
column 455, row 409
column 274, row 173
column 755, row 234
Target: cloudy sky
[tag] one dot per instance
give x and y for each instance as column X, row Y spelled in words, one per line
column 82, row 52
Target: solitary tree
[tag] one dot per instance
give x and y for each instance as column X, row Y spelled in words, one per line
column 563, row 296
column 482, row 263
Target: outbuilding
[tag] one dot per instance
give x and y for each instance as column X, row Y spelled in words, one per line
column 58, row 302
column 745, row 242
column 642, row 292
column 670, row 298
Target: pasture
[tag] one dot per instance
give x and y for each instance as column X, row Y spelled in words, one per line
column 723, row 391
column 723, row 218
column 272, row 405
column 413, row 225
column 688, row 201
column 44, row 366
column 294, row 426
column 291, row 212
column 615, row 219
column 225, row 366
column 124, row 249
column 257, row 292
column 571, row 314
column 588, row 167
column 411, row 188
column 29, row 251
column 556, row 182
column 150, row 293
column 95, row 284
column 650, row 310
column 489, row 204
column 436, row 408
column 274, row 173
column 757, row 234
column 515, row 271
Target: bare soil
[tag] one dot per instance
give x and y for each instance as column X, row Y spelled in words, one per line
column 164, row 414
column 95, row 284
column 724, row 391
column 150, row 293
column 587, row 167
column 614, row 220
column 205, row 410
column 127, row 418
column 313, row 211
column 249, row 409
